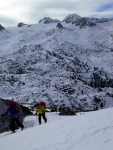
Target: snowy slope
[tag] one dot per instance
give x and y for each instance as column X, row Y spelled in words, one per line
column 69, row 66
column 85, row 131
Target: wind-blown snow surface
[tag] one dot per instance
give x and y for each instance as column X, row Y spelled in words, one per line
column 85, row 131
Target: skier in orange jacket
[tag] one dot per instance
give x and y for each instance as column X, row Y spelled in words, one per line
column 41, row 109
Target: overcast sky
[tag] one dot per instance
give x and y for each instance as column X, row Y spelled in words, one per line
column 31, row 11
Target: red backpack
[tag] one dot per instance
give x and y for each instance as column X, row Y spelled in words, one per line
column 13, row 103
column 42, row 103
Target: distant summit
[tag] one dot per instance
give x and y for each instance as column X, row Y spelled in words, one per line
column 47, row 20
column 84, row 21
column 71, row 18
column 79, row 21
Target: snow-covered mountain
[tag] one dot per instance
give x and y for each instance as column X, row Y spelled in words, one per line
column 67, row 62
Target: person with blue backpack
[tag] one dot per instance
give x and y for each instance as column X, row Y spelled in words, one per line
column 13, row 111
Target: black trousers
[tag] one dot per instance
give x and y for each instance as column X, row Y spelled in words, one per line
column 17, row 121
column 43, row 116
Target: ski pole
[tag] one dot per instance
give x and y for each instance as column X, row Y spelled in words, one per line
column 36, row 120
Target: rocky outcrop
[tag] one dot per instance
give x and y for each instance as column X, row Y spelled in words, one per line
column 1, row 27
column 84, row 21
column 72, row 18
column 47, row 20
column 59, row 25
column 21, row 24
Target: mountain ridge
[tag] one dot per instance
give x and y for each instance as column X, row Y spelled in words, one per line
column 69, row 66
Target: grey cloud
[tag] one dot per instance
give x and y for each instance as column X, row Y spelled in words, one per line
column 32, row 11
column 5, row 20
column 56, row 5
column 38, row 10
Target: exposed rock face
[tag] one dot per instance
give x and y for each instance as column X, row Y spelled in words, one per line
column 84, row 21
column 1, row 27
column 21, row 24
column 72, row 18
column 4, row 123
column 59, row 25
column 47, row 20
